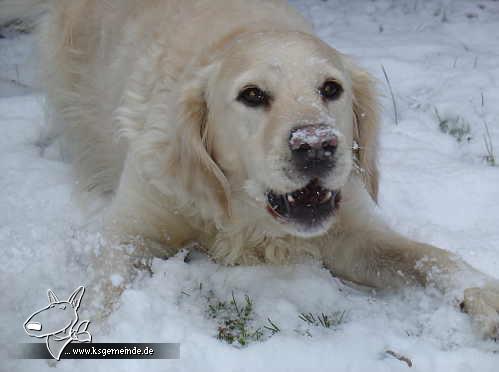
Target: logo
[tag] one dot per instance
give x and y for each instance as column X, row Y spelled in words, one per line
column 59, row 323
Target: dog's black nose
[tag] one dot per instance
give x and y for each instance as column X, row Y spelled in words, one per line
column 312, row 148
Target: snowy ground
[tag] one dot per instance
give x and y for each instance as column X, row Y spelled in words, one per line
column 439, row 56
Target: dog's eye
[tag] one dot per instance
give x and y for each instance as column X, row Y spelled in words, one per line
column 253, row 96
column 331, row 90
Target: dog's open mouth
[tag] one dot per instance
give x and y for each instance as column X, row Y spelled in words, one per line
column 307, row 206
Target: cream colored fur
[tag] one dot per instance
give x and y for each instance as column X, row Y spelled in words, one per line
column 143, row 93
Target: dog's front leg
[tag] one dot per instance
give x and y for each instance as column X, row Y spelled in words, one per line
column 365, row 251
column 114, row 267
column 139, row 225
column 383, row 259
column 117, row 263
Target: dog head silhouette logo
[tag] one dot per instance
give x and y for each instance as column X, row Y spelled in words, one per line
column 59, row 323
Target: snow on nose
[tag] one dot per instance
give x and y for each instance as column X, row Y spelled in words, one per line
column 313, row 148
column 313, row 136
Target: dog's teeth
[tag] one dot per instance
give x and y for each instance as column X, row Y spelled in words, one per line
column 290, row 198
column 326, row 197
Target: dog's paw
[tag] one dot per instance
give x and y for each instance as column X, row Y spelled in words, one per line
column 482, row 304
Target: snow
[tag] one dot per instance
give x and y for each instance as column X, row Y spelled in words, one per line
column 438, row 55
column 312, row 135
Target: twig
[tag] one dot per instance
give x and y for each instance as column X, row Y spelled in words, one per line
column 489, row 146
column 15, row 82
column 400, row 357
column 393, row 96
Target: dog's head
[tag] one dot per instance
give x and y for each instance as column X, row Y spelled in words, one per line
column 269, row 123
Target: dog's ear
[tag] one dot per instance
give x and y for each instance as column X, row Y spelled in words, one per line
column 76, row 296
column 191, row 160
column 52, row 297
column 366, row 127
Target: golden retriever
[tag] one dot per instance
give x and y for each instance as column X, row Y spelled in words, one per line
column 229, row 124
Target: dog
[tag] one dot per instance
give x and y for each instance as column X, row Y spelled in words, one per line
column 228, row 123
